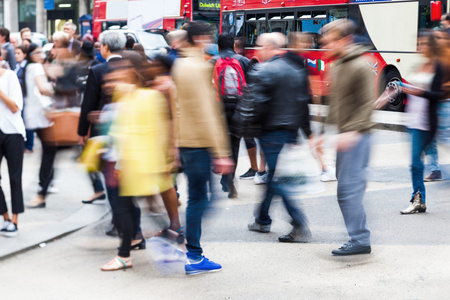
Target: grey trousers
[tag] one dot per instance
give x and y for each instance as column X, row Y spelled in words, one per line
column 351, row 172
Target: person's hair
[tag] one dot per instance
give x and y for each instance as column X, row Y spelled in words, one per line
column 72, row 25
column 130, row 42
column 23, row 48
column 196, row 28
column 275, row 40
column 5, row 32
column 30, row 51
column 225, row 41
column 176, row 35
column 28, row 40
column 444, row 48
column 115, row 40
column 23, row 30
column 433, row 49
column 139, row 49
column 446, row 17
column 62, row 37
column 342, row 27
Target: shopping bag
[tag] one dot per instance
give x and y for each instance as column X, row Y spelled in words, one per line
column 297, row 172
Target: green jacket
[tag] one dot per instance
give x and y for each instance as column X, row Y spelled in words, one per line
column 352, row 92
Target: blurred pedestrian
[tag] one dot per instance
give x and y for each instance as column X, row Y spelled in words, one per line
column 280, row 90
column 230, row 71
column 177, row 40
column 350, row 109
column 95, row 98
column 422, row 99
column 15, row 40
column 442, row 39
column 74, row 46
column 37, row 100
column 202, row 138
column 21, row 55
column 7, row 49
column 12, row 135
column 25, row 33
column 98, row 55
column 88, row 36
column 130, row 43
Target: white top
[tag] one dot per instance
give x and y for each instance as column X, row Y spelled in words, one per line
column 34, row 114
column 11, row 123
column 417, row 107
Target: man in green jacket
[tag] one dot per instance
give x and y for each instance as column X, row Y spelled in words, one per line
column 350, row 109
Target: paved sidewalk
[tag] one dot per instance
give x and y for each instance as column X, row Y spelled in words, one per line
column 64, row 212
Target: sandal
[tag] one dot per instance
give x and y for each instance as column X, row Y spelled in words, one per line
column 117, row 264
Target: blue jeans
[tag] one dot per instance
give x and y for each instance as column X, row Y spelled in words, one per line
column 351, row 173
column 432, row 155
column 420, row 140
column 271, row 143
column 197, row 167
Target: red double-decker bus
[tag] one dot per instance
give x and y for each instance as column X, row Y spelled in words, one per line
column 388, row 28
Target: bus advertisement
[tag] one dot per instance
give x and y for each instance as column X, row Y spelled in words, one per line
column 389, row 29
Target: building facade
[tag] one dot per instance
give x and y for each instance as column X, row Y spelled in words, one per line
column 17, row 14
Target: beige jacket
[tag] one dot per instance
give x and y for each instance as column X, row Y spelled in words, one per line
column 201, row 122
column 352, row 93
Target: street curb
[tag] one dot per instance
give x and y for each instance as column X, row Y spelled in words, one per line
column 83, row 217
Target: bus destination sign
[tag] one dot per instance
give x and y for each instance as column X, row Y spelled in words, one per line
column 209, row 5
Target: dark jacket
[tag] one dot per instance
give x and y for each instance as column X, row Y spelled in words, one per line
column 280, row 91
column 94, row 98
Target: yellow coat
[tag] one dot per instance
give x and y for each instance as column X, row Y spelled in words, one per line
column 142, row 132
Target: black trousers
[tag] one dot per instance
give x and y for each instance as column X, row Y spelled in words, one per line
column 234, row 144
column 11, row 147
column 125, row 212
column 46, row 170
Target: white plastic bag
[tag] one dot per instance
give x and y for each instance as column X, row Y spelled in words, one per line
column 297, row 172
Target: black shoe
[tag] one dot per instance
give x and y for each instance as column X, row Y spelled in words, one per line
column 141, row 245
column 112, row 231
column 296, row 236
column 223, row 182
column 102, row 197
column 351, row 248
column 250, row 174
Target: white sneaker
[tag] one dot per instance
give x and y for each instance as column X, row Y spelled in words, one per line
column 328, row 175
column 10, row 230
column 261, row 179
column 5, row 224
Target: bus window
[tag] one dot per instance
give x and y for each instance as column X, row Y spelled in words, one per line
column 283, row 23
column 228, row 23
column 425, row 16
column 239, row 24
column 311, row 21
column 255, row 25
column 337, row 13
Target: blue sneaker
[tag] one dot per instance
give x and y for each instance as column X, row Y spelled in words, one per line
column 202, row 266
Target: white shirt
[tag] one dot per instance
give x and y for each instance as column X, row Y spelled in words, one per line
column 11, row 123
column 34, row 113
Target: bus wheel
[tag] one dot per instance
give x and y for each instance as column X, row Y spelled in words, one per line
column 395, row 103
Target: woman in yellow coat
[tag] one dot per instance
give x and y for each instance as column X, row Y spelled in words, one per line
column 144, row 146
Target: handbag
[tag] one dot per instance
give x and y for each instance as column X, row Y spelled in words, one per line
column 297, row 172
column 64, row 129
column 91, row 157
